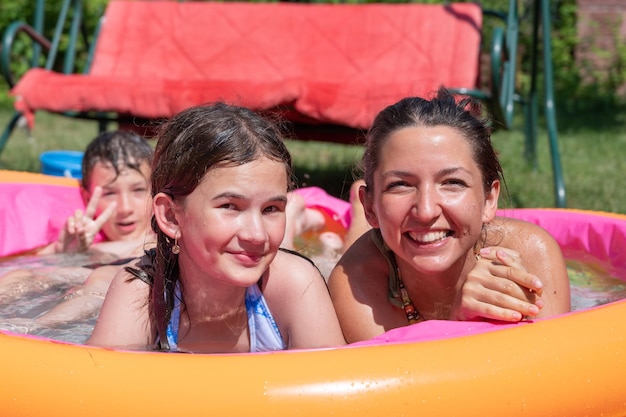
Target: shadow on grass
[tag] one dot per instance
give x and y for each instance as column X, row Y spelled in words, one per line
column 591, row 114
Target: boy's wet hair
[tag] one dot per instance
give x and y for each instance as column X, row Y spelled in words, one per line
column 123, row 149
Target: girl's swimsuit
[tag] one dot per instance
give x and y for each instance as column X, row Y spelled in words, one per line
column 264, row 333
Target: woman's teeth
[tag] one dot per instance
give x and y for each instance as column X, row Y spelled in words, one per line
column 429, row 237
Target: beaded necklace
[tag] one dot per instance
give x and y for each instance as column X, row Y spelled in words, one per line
column 412, row 315
column 398, row 295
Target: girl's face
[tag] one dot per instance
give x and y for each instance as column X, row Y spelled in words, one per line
column 231, row 225
column 428, row 198
column 131, row 191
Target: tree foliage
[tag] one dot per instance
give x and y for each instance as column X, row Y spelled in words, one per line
column 22, row 53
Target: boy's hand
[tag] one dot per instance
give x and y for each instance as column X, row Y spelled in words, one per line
column 81, row 228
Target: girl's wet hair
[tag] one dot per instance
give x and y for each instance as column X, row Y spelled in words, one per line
column 465, row 115
column 200, row 138
column 122, row 149
column 188, row 146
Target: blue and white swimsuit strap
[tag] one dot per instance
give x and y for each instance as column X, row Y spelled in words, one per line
column 264, row 332
column 171, row 332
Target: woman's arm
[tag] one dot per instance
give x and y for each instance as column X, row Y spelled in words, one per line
column 524, row 277
column 543, row 258
column 498, row 288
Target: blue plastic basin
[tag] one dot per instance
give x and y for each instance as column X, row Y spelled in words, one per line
column 62, row 163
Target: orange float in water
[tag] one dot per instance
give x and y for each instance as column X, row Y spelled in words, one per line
column 571, row 365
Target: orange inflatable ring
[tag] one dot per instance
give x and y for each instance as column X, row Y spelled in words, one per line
column 572, row 365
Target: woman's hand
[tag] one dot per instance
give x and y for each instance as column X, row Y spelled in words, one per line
column 498, row 288
column 81, row 228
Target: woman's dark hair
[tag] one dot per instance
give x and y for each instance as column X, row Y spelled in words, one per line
column 189, row 145
column 123, row 149
column 443, row 110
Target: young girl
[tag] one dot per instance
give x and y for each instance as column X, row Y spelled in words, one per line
column 436, row 249
column 217, row 281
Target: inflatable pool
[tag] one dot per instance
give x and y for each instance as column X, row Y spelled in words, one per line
column 572, row 365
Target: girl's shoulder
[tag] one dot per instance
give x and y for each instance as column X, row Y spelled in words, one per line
column 290, row 277
column 289, row 255
column 126, row 281
column 292, row 265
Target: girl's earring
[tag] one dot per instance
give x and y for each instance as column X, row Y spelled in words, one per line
column 175, row 248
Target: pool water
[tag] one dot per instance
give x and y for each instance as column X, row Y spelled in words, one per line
column 53, row 278
column 592, row 284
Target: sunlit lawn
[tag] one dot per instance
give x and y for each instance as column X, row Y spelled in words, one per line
column 592, row 157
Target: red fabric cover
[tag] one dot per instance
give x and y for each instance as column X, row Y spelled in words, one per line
column 338, row 64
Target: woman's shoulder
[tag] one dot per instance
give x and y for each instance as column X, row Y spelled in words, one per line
column 520, row 235
column 363, row 254
column 362, row 269
column 513, row 225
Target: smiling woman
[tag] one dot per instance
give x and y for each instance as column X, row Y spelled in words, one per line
column 436, row 249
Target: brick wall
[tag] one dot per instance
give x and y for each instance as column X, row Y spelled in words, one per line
column 598, row 21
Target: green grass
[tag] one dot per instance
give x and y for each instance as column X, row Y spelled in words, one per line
column 592, row 149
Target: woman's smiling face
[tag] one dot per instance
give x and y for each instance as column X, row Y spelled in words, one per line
column 428, row 197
